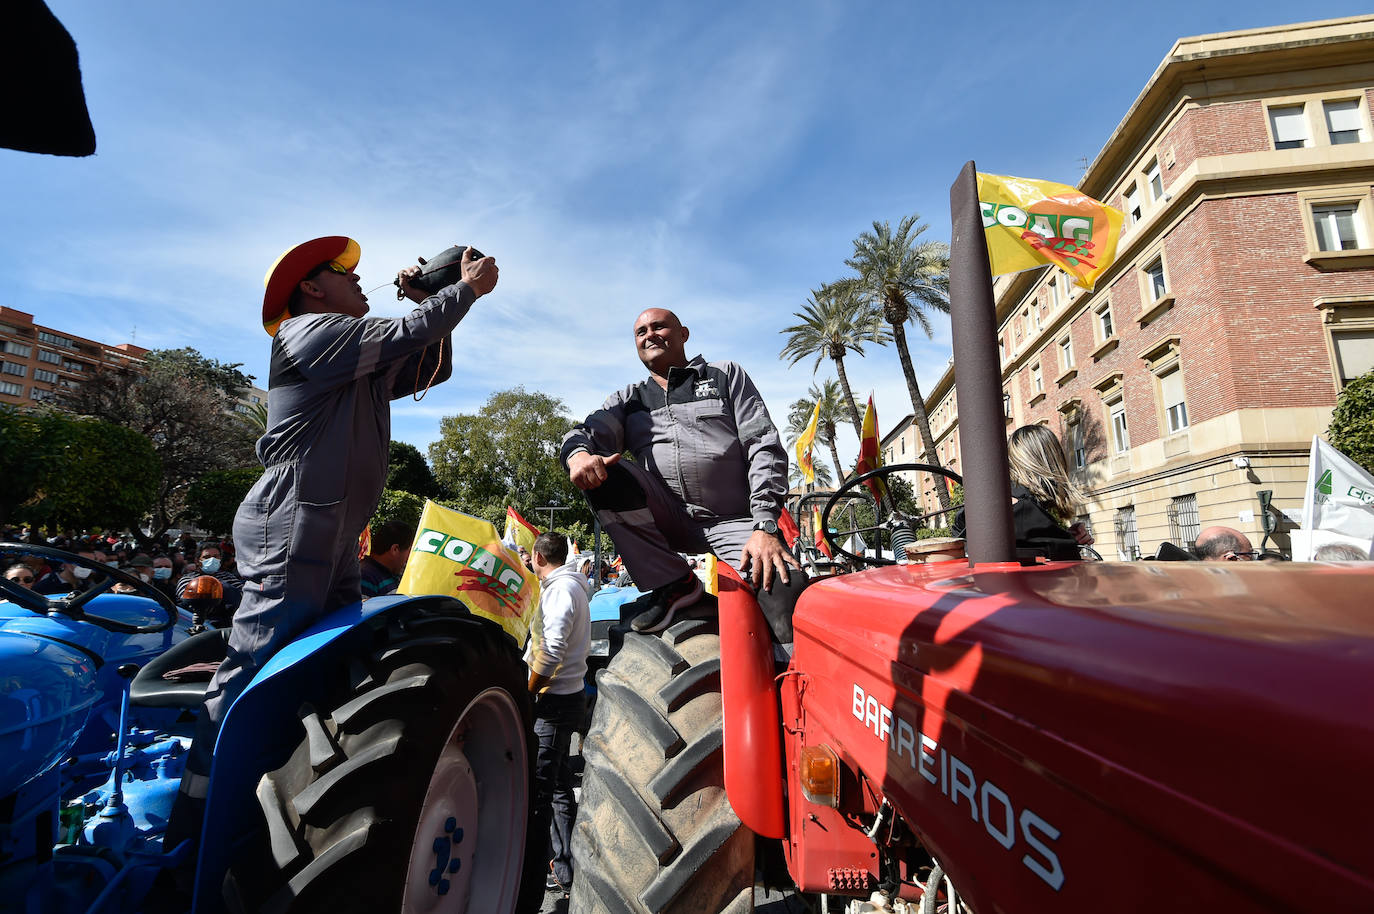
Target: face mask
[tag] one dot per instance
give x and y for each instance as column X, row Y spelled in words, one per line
column 209, row 566
column 112, row 564
column 80, row 572
column 162, row 574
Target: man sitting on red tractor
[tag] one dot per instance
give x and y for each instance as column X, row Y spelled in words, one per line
column 709, row 474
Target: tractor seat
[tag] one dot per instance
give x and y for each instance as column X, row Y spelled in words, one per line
column 150, row 690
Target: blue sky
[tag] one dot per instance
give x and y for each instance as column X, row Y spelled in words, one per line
column 713, row 158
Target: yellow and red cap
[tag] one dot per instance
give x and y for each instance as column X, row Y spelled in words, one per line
column 291, row 267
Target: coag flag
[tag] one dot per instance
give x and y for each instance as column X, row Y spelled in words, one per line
column 519, row 531
column 821, row 543
column 460, row 556
column 870, row 458
column 1032, row 223
column 805, row 461
column 1338, row 506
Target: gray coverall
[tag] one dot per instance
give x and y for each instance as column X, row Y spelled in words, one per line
column 325, row 451
column 708, row 465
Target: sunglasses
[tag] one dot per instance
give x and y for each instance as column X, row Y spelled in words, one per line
column 23, row 580
column 332, row 266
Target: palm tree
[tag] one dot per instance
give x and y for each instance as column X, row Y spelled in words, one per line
column 900, row 277
column 831, row 399
column 835, row 321
column 823, row 478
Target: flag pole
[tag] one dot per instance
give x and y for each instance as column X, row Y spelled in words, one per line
column 978, row 380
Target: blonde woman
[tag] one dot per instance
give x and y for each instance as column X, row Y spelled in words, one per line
column 1045, row 497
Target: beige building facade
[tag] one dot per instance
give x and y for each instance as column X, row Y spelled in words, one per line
column 1194, row 376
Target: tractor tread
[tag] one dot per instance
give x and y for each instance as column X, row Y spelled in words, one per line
column 382, row 702
column 660, row 650
column 648, row 718
column 674, row 780
column 699, row 680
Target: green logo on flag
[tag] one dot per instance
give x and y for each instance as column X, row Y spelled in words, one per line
column 1324, row 484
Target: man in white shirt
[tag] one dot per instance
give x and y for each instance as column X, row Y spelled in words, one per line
column 557, row 657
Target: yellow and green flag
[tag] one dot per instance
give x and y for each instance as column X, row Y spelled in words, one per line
column 804, row 457
column 461, row 556
column 1032, row 223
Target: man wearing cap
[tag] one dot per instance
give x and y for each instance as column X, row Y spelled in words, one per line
column 333, row 375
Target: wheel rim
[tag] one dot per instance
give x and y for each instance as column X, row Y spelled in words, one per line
column 469, row 842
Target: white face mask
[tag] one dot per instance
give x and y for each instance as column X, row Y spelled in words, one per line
column 80, row 572
column 210, row 565
column 143, row 577
column 162, row 574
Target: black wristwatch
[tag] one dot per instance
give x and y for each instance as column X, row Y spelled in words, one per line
column 767, row 526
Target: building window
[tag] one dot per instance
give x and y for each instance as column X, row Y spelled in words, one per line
column 1132, row 205
column 1175, row 406
column 19, row 349
column 74, row 366
column 1155, row 180
column 1336, row 226
column 1066, row 353
column 1354, row 354
column 39, row 395
column 47, row 377
column 65, row 342
column 1154, row 275
column 1037, row 379
column 1121, row 438
column 1289, row 126
column 12, row 390
column 1183, row 521
column 52, row 358
column 1105, row 329
column 903, row 443
column 1343, row 122
column 14, row 368
column 1127, row 539
column 1078, row 445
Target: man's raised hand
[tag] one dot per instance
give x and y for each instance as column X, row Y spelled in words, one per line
column 479, row 274
column 587, row 471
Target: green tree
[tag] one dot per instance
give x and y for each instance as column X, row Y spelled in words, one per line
column 183, row 403
column 1352, row 422
column 834, row 322
column 398, row 505
column 507, row 455
column 214, row 498
column 407, row 471
column 901, row 277
column 84, row 473
column 831, row 398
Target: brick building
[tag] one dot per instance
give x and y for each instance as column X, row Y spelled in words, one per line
column 1242, row 300
column 38, row 360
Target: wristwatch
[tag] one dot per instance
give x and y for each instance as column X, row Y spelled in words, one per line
column 767, row 526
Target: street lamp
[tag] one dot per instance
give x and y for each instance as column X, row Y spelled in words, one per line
column 552, row 507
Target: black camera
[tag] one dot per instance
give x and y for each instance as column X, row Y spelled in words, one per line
column 440, row 271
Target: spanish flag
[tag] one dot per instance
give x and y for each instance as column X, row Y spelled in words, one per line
column 1032, row 224
column 788, row 528
column 870, row 457
column 519, row 531
column 819, row 533
column 804, row 441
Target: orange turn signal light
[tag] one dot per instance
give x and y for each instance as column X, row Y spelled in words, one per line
column 819, row 772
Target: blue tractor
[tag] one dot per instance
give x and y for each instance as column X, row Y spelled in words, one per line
column 381, row 762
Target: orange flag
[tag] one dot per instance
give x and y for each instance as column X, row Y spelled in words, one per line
column 788, row 527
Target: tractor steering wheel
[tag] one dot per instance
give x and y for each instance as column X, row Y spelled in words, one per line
column 895, row 520
column 72, row 605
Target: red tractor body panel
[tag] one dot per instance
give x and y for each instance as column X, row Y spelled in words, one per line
column 1102, row 736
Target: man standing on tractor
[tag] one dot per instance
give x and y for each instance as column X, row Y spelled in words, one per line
column 709, row 475
column 333, row 375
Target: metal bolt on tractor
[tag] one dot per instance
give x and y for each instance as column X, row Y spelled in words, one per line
column 380, row 762
column 994, row 734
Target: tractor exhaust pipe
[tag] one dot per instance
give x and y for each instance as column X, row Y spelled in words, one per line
column 978, row 380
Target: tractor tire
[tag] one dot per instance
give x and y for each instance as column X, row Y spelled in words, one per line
column 655, row 833
column 411, row 790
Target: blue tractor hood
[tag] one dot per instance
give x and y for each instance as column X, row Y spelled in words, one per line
column 47, row 689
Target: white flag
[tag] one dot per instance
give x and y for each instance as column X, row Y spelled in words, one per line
column 1338, row 506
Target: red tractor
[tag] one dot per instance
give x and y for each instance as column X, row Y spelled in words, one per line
column 987, row 735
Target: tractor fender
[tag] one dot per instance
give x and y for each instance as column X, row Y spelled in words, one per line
column 749, row 695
